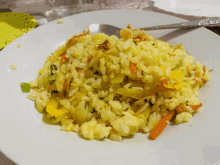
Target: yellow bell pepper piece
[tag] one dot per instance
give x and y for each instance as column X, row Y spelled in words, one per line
column 177, row 76
column 52, row 108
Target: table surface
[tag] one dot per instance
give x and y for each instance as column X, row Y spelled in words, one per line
column 43, row 12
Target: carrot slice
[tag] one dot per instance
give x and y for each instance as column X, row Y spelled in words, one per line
column 158, row 88
column 195, row 107
column 179, row 109
column 166, row 81
column 161, row 125
column 140, row 130
column 90, row 58
column 204, row 80
column 170, row 102
column 80, row 35
column 63, row 59
column 133, row 68
column 204, row 69
column 141, row 38
column 103, row 28
column 170, row 54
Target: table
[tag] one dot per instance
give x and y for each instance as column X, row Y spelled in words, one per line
column 41, row 9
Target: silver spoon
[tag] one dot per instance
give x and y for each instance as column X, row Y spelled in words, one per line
column 112, row 30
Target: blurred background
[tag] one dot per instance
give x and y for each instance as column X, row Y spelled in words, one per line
column 53, row 9
column 48, row 10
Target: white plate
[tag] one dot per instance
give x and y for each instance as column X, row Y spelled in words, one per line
column 28, row 141
column 207, row 8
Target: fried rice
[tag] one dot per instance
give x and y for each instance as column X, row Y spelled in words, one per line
column 100, row 86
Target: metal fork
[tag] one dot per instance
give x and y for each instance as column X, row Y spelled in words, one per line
column 112, row 30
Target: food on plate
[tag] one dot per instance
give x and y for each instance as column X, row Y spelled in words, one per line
column 13, row 67
column 103, row 28
column 19, row 46
column 100, row 86
column 59, row 21
column 25, row 87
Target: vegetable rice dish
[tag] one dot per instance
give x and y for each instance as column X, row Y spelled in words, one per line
column 100, row 86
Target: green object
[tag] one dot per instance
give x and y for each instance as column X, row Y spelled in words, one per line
column 53, row 68
column 25, row 87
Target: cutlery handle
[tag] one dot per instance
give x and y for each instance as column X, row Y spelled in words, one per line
column 212, row 22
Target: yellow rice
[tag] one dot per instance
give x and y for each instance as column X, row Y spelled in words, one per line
column 94, row 91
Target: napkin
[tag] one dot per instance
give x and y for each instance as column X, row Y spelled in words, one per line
column 13, row 25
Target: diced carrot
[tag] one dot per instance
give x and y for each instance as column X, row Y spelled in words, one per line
column 141, row 38
column 179, row 109
column 204, row 69
column 133, row 68
column 195, row 107
column 105, row 45
column 129, row 26
column 138, row 37
column 90, row 58
column 69, row 71
column 134, row 29
column 166, row 81
column 158, row 88
column 63, row 59
column 204, row 80
column 161, row 126
column 103, row 28
column 140, row 130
